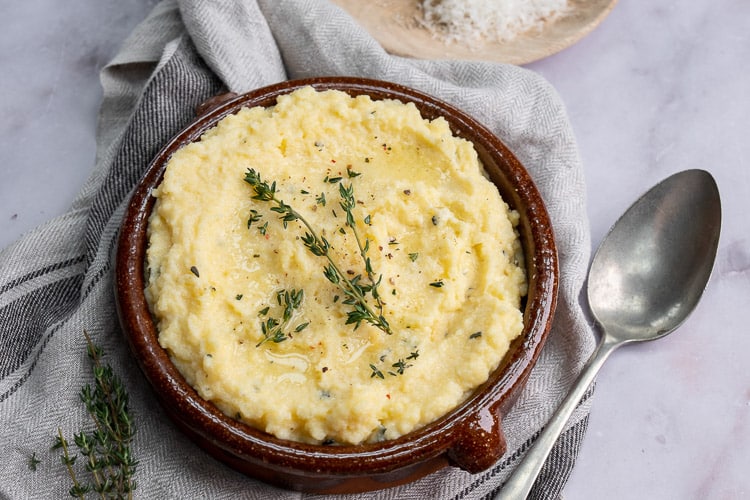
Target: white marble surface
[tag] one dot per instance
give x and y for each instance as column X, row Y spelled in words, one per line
column 660, row 86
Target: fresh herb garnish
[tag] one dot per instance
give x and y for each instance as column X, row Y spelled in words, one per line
column 355, row 289
column 106, row 449
column 437, row 284
column 274, row 329
column 33, row 462
column 400, row 366
column 475, row 335
column 255, row 216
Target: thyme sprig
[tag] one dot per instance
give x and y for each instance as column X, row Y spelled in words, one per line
column 347, row 205
column 274, row 329
column 354, row 289
column 106, row 449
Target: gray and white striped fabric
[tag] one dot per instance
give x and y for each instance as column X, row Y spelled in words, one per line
column 56, row 281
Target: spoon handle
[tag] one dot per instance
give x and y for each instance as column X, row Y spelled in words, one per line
column 522, row 479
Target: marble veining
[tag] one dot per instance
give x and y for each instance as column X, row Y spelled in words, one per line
column 659, row 87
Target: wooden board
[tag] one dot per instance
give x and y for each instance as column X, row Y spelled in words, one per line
column 395, row 24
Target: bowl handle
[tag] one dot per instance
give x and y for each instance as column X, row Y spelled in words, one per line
column 480, row 442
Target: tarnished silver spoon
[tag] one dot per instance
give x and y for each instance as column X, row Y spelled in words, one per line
column 646, row 278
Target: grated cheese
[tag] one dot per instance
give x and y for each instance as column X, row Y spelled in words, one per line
column 492, row 20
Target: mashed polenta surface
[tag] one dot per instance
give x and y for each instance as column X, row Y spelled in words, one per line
column 250, row 315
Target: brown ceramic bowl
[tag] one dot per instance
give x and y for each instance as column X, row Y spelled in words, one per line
column 470, row 437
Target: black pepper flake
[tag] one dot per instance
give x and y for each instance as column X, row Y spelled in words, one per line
column 194, row 270
column 434, row 220
column 324, row 369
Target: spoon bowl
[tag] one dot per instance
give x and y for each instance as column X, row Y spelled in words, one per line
column 645, row 279
column 650, row 270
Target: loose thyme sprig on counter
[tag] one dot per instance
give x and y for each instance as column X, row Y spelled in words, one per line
column 355, row 291
column 106, row 449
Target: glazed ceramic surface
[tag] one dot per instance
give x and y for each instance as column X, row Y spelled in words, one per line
column 470, row 437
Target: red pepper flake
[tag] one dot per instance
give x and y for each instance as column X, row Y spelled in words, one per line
column 388, row 396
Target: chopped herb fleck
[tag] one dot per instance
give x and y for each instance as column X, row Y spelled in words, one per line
column 376, row 372
column 254, row 217
column 413, row 256
column 437, row 284
column 194, row 270
column 33, row 462
column 238, row 296
column 475, row 335
column 400, row 366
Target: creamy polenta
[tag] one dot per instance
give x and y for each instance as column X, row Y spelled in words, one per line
column 247, row 311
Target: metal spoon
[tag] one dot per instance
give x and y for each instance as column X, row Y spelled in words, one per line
column 646, row 277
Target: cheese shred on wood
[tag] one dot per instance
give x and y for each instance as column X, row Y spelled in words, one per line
column 492, row 20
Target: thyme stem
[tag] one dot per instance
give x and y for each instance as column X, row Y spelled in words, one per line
column 348, row 204
column 77, row 490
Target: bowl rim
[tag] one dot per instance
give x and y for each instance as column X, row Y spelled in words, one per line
column 241, row 440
